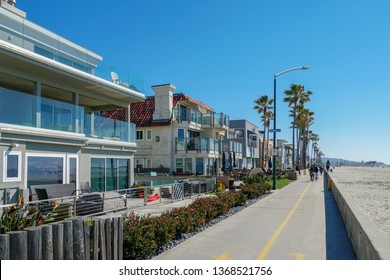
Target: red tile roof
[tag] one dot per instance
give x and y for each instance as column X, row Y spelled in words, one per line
column 142, row 112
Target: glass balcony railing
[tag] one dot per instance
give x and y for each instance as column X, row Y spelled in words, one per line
column 232, row 146
column 197, row 144
column 210, row 120
column 120, row 77
column 23, row 109
column 216, row 120
column 110, row 129
column 37, row 39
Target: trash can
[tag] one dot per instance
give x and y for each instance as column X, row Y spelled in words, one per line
column 329, row 184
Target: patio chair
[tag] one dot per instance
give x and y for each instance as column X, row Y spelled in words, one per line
column 42, row 194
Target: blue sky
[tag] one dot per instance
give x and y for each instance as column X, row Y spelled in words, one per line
column 225, row 53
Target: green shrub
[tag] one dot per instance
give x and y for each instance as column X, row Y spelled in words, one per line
column 233, row 198
column 250, row 180
column 143, row 235
column 138, row 237
column 255, row 190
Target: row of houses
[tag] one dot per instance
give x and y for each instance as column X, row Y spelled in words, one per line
column 61, row 123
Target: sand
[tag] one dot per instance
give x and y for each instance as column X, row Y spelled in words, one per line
column 370, row 189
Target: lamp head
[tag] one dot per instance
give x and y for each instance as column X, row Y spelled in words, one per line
column 305, row 67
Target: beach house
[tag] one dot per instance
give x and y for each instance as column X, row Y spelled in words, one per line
column 182, row 135
column 52, row 129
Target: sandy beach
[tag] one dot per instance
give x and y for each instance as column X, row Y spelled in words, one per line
column 370, row 188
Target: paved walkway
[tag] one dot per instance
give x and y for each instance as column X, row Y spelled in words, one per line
column 300, row 221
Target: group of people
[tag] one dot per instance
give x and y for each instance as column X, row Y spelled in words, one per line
column 314, row 170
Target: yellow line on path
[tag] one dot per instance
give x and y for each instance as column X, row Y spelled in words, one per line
column 272, row 240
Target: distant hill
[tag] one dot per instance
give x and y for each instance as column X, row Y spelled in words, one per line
column 345, row 162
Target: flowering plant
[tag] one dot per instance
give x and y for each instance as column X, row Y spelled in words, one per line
column 20, row 216
column 219, row 186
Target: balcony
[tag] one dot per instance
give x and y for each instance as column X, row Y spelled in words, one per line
column 215, row 120
column 197, row 144
column 25, row 34
column 17, row 108
column 232, row 146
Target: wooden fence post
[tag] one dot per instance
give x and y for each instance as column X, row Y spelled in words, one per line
column 114, row 245
column 47, row 242
column 87, row 238
column 58, row 240
column 4, row 247
column 68, row 239
column 107, row 223
column 78, row 240
column 34, row 243
column 18, row 243
column 95, row 238
column 102, row 240
column 120, row 238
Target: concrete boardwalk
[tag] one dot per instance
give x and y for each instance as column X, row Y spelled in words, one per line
column 300, row 221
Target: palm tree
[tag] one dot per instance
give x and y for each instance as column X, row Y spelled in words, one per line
column 314, row 138
column 263, row 106
column 303, row 121
column 295, row 96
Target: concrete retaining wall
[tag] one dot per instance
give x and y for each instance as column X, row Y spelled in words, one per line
column 368, row 242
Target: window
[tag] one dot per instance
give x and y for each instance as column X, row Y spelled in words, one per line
column 98, row 174
column 179, row 165
column 139, row 163
column 12, row 166
column 72, row 171
column 140, row 135
column 45, row 169
column 109, row 174
column 188, row 166
column 149, row 134
column 149, row 163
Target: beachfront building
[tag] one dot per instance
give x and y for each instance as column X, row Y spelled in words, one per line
column 181, row 134
column 283, row 155
column 51, row 127
column 247, row 134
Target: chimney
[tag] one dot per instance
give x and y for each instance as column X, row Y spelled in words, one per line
column 10, row 6
column 163, row 101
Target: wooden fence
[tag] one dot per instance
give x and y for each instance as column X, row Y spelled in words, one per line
column 71, row 239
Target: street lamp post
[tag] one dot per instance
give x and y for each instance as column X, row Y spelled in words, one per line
column 274, row 130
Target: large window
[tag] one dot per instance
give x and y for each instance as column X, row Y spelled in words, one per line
column 188, row 166
column 108, row 174
column 43, row 170
column 12, row 166
column 98, row 174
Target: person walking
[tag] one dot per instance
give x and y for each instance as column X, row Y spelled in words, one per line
column 327, row 165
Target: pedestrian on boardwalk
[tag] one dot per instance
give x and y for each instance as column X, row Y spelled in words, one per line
column 327, row 165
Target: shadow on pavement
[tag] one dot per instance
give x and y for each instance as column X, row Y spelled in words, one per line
column 338, row 246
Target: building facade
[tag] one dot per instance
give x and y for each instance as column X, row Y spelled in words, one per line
column 52, row 130
column 248, row 135
column 180, row 133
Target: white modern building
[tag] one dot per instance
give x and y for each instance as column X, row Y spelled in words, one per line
column 247, row 134
column 52, row 130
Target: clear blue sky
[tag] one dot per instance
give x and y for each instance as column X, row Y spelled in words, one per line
column 225, row 53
